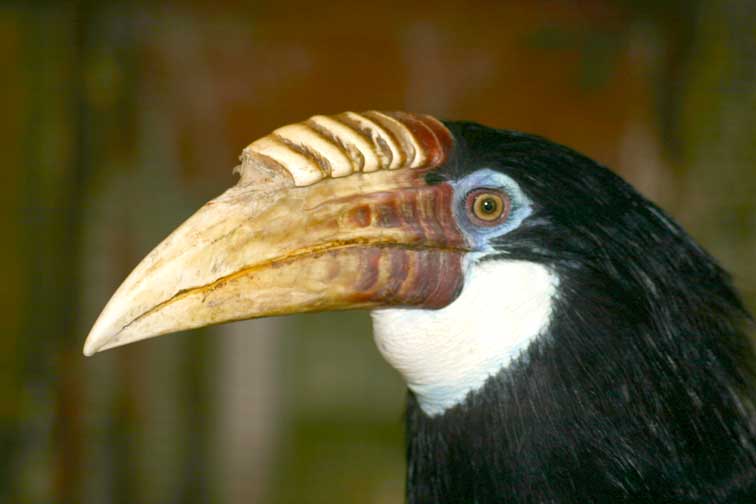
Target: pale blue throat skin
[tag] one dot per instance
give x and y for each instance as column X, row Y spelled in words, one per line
column 446, row 354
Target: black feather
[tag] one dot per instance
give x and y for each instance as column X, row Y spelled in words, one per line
column 642, row 387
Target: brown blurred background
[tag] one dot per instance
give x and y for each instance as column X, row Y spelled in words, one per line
column 119, row 119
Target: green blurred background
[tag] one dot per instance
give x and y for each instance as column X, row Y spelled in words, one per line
column 120, row 119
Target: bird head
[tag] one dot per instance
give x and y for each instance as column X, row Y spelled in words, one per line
column 467, row 243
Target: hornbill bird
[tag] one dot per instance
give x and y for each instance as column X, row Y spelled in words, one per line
column 562, row 338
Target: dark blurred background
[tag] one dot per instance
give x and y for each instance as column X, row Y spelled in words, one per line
column 120, row 119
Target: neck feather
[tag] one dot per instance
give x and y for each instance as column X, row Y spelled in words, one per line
column 446, row 354
column 635, row 393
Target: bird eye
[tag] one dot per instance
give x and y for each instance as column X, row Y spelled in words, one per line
column 487, row 207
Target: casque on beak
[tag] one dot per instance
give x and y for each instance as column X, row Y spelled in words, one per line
column 329, row 214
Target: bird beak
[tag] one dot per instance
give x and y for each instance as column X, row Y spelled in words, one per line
column 331, row 214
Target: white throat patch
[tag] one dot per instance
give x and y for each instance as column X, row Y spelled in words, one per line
column 445, row 354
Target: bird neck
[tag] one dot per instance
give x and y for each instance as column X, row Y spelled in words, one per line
column 445, row 354
column 652, row 404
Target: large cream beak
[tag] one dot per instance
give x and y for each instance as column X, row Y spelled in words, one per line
column 269, row 247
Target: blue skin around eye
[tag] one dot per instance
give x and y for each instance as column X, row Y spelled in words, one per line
column 479, row 236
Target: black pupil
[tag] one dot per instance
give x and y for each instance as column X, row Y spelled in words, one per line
column 488, row 205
